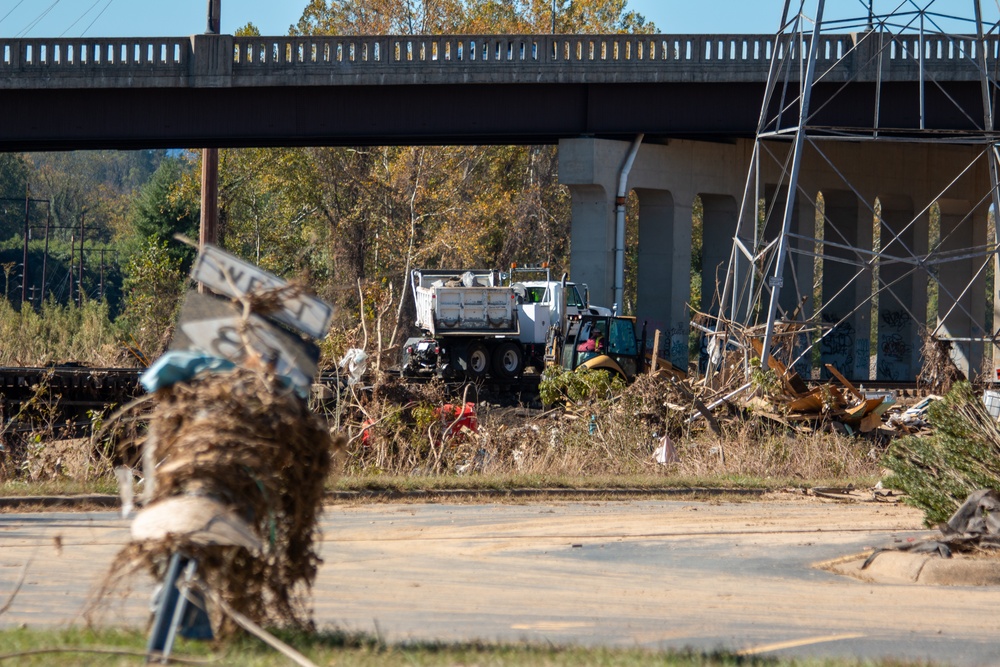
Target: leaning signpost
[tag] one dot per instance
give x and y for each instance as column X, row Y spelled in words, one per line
column 235, row 464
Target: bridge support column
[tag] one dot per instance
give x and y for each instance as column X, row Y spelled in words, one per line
column 846, row 285
column 902, row 306
column 666, row 179
column 664, row 276
column 795, row 302
column 960, row 231
column 592, row 240
column 719, row 219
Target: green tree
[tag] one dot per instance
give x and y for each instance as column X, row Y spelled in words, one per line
column 154, row 282
column 13, row 186
column 165, row 206
column 428, row 17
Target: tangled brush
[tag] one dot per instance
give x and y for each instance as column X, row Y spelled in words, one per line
column 244, row 440
column 938, row 472
column 938, row 371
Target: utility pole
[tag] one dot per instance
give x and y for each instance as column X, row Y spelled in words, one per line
column 209, row 232
column 80, row 283
column 214, row 17
column 72, row 255
column 553, row 17
column 24, row 259
column 45, row 255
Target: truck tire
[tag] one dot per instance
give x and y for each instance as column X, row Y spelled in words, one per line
column 508, row 360
column 477, row 360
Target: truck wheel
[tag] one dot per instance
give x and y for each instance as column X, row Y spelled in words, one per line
column 477, row 360
column 508, row 360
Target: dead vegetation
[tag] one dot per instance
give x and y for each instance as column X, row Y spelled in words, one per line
column 740, row 422
column 938, row 372
column 401, row 429
column 244, row 441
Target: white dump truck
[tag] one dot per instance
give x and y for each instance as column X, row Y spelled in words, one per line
column 484, row 322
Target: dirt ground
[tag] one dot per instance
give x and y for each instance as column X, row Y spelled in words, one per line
column 652, row 573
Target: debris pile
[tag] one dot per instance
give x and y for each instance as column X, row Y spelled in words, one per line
column 974, row 528
column 244, row 441
column 938, row 371
column 593, row 423
column 780, row 394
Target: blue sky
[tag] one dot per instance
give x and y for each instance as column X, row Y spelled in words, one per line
column 147, row 18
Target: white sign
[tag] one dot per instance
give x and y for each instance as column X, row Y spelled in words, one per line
column 231, row 276
column 211, row 325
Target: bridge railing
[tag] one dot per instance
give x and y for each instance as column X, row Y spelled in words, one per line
column 651, row 49
column 24, row 55
column 525, row 49
column 689, row 57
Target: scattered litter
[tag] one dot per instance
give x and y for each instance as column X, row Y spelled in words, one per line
column 666, row 453
column 354, row 363
column 973, row 528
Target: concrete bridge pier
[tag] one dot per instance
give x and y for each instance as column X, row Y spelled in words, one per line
column 847, row 285
column 666, row 180
column 720, row 218
column 896, row 181
column 961, row 228
column 664, row 269
column 797, row 277
column 902, row 303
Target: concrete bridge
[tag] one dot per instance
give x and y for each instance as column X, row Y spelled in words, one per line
column 696, row 98
column 220, row 90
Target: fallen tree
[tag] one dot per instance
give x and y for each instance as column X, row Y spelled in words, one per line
column 940, row 470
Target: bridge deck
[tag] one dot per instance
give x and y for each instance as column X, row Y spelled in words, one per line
column 225, row 91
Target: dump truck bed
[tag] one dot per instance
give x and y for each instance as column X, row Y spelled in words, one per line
column 469, row 303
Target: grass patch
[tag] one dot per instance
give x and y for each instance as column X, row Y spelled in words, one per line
column 501, row 482
column 17, row 488
column 124, row 647
column 390, row 484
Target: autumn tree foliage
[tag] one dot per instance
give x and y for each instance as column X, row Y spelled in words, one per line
column 353, row 221
column 356, row 220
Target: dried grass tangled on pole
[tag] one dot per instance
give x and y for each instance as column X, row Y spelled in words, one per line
column 245, row 440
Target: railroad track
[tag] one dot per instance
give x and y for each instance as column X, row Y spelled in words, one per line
column 106, row 385
column 80, row 388
column 73, row 391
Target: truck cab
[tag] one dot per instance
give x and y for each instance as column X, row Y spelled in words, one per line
column 541, row 306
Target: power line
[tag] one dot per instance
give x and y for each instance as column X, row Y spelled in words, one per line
column 38, row 19
column 97, row 17
column 80, row 18
column 21, row 2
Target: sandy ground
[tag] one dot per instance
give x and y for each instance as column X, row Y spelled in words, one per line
column 735, row 575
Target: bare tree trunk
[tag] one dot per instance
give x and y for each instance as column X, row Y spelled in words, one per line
column 361, row 312
column 409, row 250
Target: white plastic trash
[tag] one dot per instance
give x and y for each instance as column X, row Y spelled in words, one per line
column 354, row 362
column 991, row 399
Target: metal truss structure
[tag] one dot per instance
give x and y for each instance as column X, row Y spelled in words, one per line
column 762, row 290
